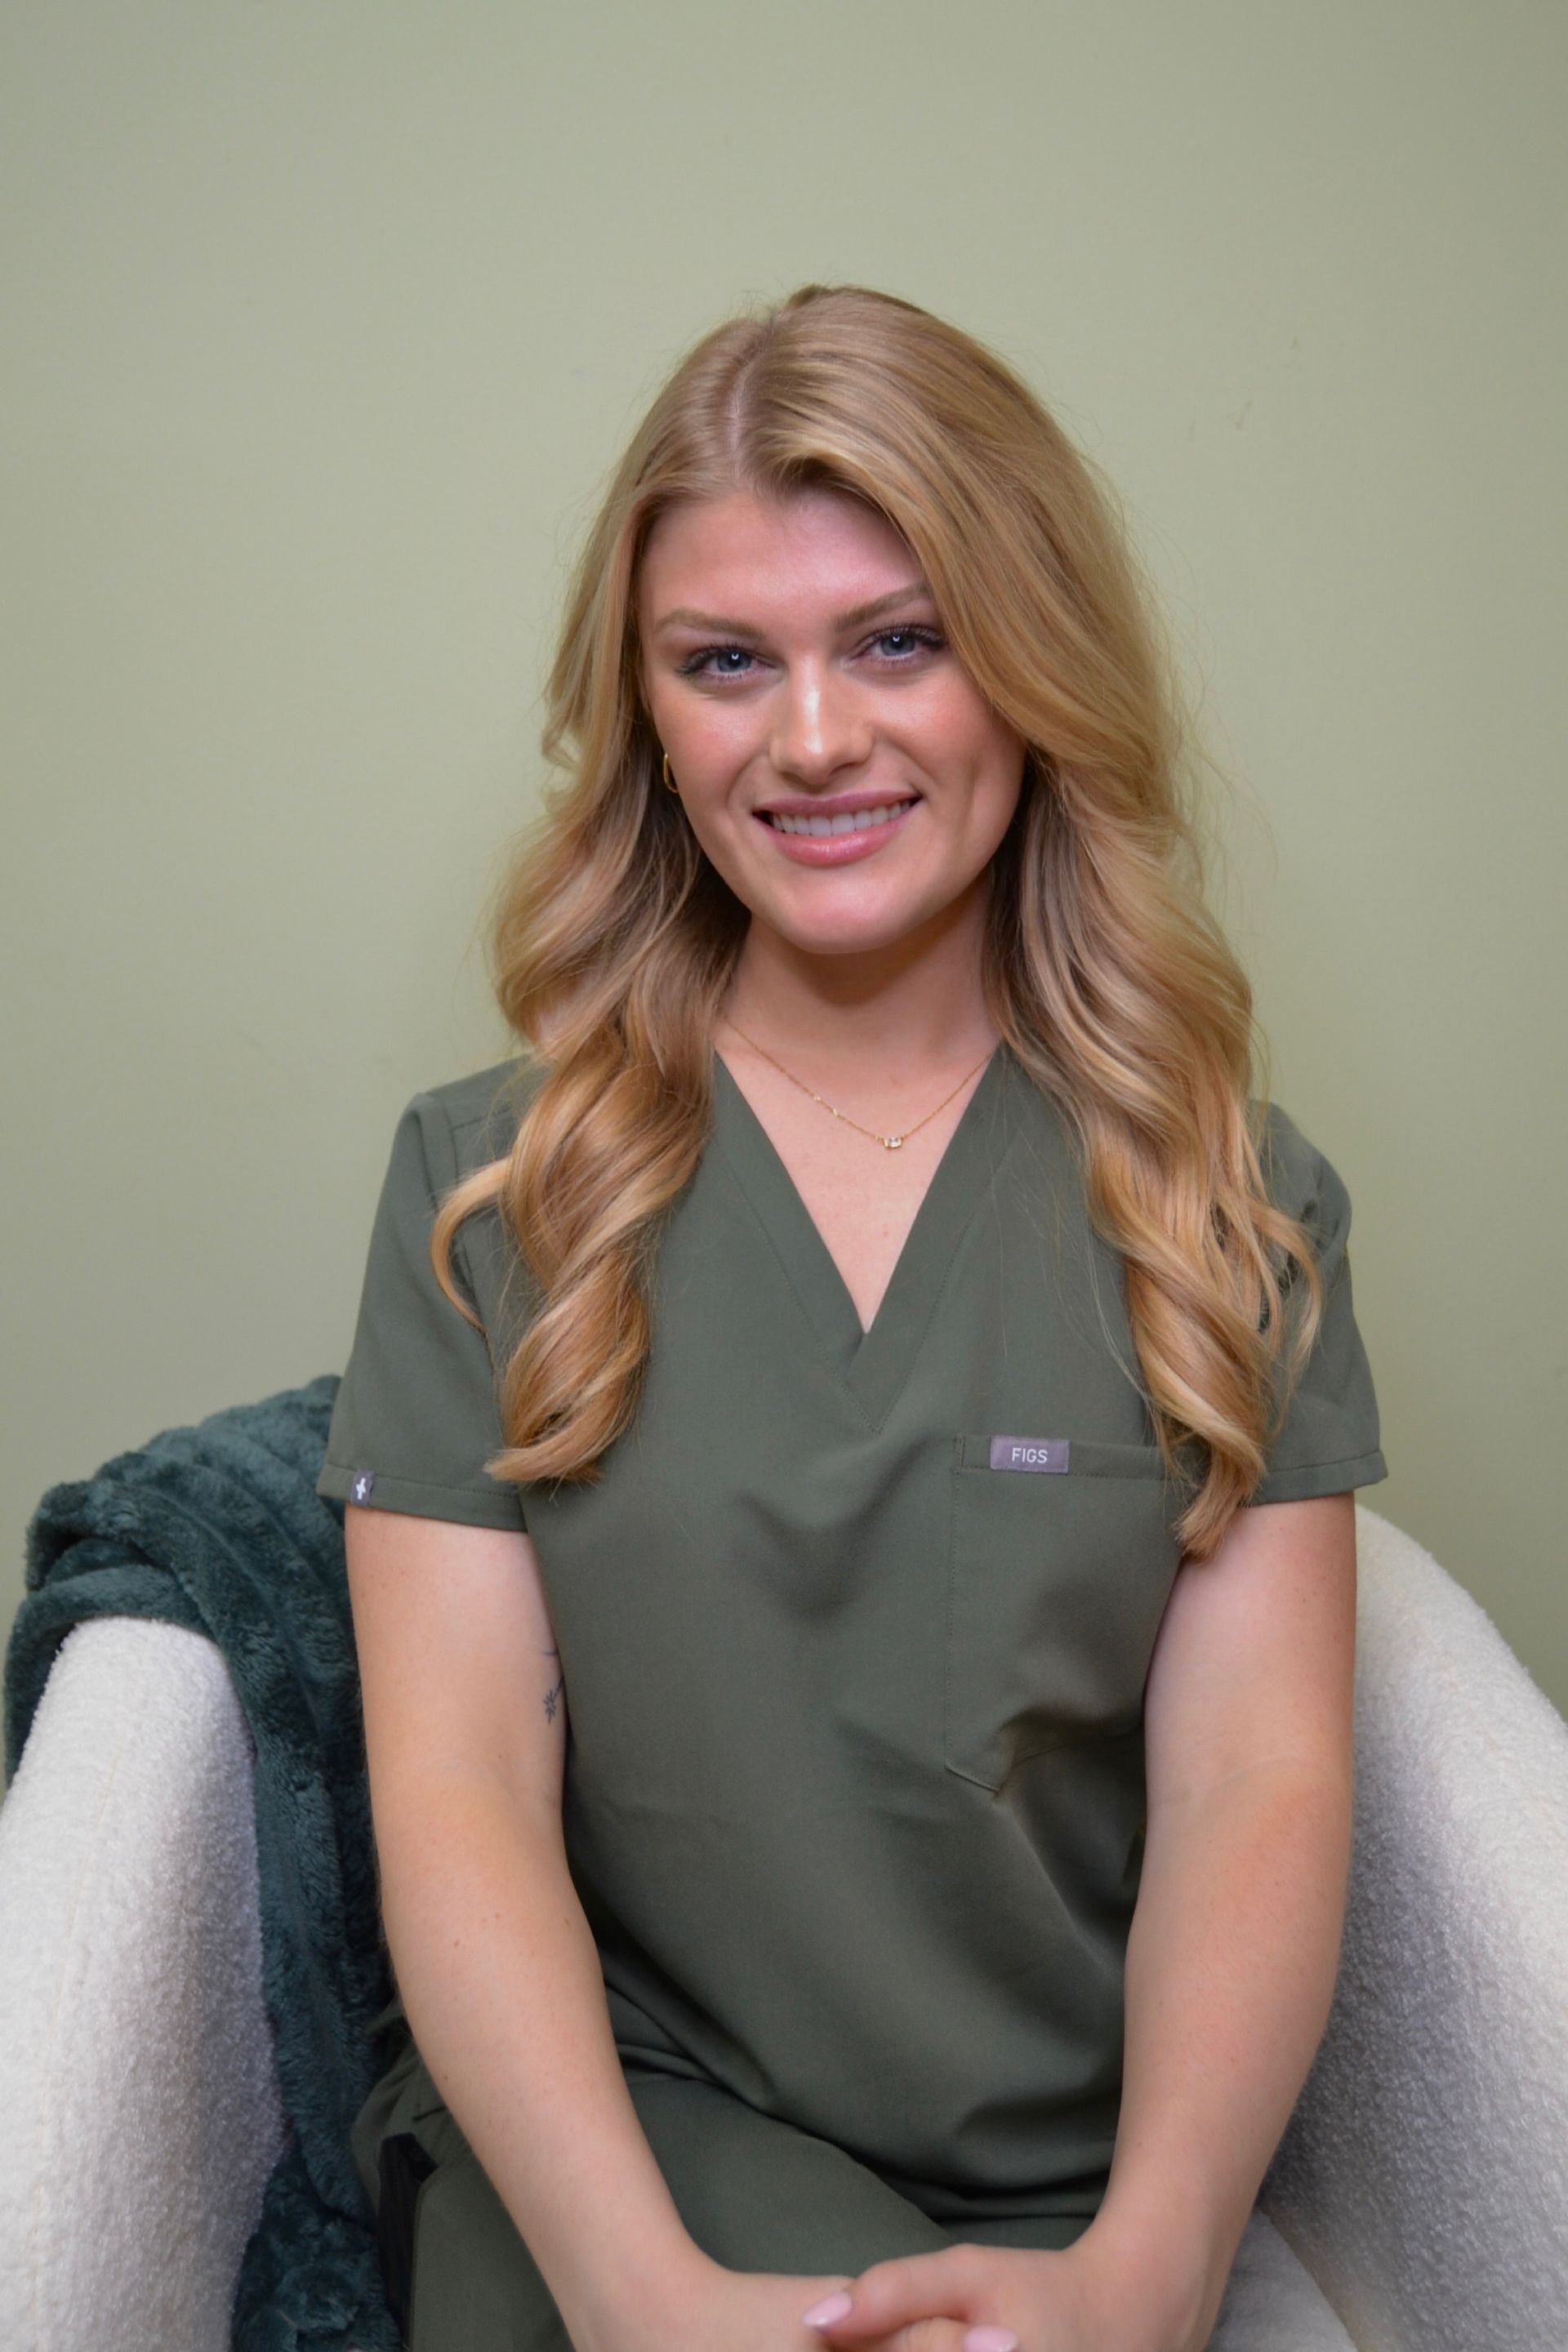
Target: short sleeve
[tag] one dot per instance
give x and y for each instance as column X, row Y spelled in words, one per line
column 415, row 1416
column 1329, row 1440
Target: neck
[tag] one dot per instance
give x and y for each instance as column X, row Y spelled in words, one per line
column 905, row 1011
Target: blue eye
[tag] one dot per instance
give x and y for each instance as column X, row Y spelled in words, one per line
column 921, row 640
column 729, row 660
column 696, row 665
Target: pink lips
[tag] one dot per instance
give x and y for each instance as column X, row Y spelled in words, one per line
column 836, row 848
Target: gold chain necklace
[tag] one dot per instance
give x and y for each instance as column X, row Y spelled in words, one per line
column 888, row 1142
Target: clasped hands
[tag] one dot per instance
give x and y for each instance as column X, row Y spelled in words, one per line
column 973, row 2298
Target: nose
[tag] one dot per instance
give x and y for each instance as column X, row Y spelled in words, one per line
column 820, row 725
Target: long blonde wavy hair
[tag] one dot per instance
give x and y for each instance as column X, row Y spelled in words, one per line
column 613, row 938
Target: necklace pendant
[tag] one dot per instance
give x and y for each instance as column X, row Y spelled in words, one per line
column 892, row 1143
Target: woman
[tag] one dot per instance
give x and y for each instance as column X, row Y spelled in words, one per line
column 850, row 1443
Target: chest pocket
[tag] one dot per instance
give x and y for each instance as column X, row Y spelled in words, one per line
column 1057, row 1583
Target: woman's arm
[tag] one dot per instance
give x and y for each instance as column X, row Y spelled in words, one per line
column 1231, row 1962
column 1235, row 1943
column 465, row 1722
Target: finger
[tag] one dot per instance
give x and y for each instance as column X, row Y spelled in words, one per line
column 928, row 2334
column 941, row 2335
column 895, row 2294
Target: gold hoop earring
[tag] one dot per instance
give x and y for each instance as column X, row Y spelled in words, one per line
column 669, row 786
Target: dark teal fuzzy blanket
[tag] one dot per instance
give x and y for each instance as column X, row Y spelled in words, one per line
column 220, row 1528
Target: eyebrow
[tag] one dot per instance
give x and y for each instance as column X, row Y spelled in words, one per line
column 684, row 616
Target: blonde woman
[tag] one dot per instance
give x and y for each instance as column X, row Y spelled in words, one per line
column 850, row 1443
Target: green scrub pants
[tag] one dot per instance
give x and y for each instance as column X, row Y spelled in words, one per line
column 754, row 2193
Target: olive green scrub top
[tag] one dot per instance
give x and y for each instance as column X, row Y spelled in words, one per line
column 855, row 1625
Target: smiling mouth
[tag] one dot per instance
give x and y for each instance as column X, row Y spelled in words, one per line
column 823, row 827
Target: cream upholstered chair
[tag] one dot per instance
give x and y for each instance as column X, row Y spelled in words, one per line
column 1418, row 2202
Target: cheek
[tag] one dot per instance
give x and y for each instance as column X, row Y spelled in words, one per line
column 994, row 757
column 998, row 782
column 707, row 743
column 964, row 732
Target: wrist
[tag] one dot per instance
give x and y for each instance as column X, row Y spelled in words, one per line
column 1164, row 2284
column 664, row 2273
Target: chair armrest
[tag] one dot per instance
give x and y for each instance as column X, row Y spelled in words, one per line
column 1423, row 2178
column 142, row 2110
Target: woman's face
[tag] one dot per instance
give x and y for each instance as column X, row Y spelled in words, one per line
column 793, row 666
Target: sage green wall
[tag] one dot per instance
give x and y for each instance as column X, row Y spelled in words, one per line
column 324, row 320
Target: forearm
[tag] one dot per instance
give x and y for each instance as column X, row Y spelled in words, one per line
column 1230, row 1972
column 502, row 1986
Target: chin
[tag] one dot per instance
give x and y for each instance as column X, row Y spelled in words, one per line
column 867, row 937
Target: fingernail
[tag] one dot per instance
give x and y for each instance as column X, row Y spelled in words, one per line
column 990, row 2339
column 839, row 2306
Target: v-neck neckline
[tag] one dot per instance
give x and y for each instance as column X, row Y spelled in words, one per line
column 873, row 1363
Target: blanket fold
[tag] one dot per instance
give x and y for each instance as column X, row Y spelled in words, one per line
column 218, row 1528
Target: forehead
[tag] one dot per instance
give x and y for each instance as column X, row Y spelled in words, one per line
column 752, row 553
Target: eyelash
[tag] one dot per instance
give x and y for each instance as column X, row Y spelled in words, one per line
column 928, row 640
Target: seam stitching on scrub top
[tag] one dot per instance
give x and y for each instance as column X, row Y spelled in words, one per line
column 1286, row 1472
column 942, row 1288
column 948, row 1634
column 1339, row 1462
column 1011, row 1132
column 757, row 1218
column 392, row 1478
column 404, row 1487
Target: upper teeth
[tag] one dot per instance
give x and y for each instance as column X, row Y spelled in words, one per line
column 858, row 820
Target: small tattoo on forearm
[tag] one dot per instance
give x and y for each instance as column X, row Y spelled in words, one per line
column 552, row 1696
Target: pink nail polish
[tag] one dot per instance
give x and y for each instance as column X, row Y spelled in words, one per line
column 990, row 2339
column 832, row 2307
